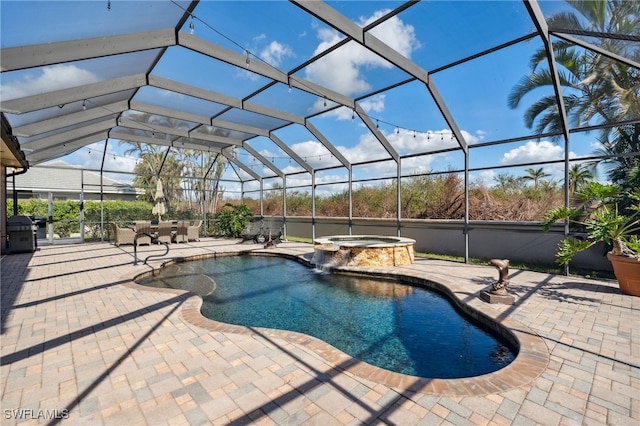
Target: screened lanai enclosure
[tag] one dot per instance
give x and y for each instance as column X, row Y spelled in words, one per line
column 347, row 109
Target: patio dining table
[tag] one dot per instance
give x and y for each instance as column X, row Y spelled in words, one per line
column 174, row 226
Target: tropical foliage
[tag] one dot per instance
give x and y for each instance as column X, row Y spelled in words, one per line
column 602, row 219
column 66, row 214
column 232, row 220
column 190, row 178
column 598, row 88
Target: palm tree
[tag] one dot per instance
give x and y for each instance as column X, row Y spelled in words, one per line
column 535, row 176
column 595, row 86
column 579, row 175
column 621, row 160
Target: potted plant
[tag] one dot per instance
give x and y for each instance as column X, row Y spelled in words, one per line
column 602, row 218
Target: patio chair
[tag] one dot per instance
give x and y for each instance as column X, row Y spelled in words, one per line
column 143, row 226
column 181, row 232
column 253, row 231
column 122, row 235
column 193, row 232
column 273, row 230
column 165, row 232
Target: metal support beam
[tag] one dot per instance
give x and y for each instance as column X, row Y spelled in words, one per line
column 263, row 160
column 377, row 133
column 40, row 55
column 290, row 152
column 334, row 19
column 70, row 135
column 541, row 24
column 73, row 94
column 324, row 141
column 53, row 124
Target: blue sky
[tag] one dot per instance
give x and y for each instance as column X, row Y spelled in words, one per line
column 283, row 36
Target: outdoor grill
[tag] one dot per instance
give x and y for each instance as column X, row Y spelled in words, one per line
column 22, row 234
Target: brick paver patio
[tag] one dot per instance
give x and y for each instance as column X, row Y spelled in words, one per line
column 81, row 341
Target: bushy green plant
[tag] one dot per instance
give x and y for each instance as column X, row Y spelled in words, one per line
column 602, row 219
column 232, row 220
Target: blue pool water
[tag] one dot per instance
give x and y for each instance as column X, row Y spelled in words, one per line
column 397, row 327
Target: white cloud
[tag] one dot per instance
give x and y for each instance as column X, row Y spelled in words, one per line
column 374, row 103
column 55, row 77
column 399, row 36
column 341, row 69
column 533, row 152
column 274, row 53
column 536, row 152
column 485, row 177
column 315, row 154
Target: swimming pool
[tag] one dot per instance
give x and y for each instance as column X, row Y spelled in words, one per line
column 394, row 326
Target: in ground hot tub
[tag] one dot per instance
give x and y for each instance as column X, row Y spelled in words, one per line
column 362, row 250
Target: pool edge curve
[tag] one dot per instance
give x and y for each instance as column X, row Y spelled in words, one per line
column 531, row 360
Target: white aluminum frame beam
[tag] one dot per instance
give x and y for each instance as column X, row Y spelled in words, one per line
column 343, row 24
column 256, row 131
column 39, row 55
column 199, row 145
column 324, row 141
column 72, row 94
column 263, row 160
column 169, row 112
column 215, row 138
column 247, row 169
column 196, row 92
column 62, row 149
column 52, row 124
column 257, row 66
column 195, row 118
column 594, row 48
column 290, row 152
column 64, row 137
column 133, row 124
column 377, row 133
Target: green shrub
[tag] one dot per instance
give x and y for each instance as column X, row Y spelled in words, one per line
column 232, row 220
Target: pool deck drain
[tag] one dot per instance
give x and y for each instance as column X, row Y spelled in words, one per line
column 80, row 338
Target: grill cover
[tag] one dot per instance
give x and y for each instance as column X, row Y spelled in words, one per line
column 22, row 234
column 20, row 223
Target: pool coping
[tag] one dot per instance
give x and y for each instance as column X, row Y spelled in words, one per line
column 399, row 241
column 531, row 361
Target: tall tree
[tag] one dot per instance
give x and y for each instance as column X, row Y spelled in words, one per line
column 621, row 161
column 595, row 87
column 579, row 175
column 535, row 175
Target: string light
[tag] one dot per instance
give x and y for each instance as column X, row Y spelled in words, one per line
column 192, row 27
column 84, row 105
column 247, row 61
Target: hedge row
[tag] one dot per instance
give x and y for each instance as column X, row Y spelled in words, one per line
column 66, row 215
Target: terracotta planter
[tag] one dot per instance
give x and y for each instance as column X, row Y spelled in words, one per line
column 627, row 272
